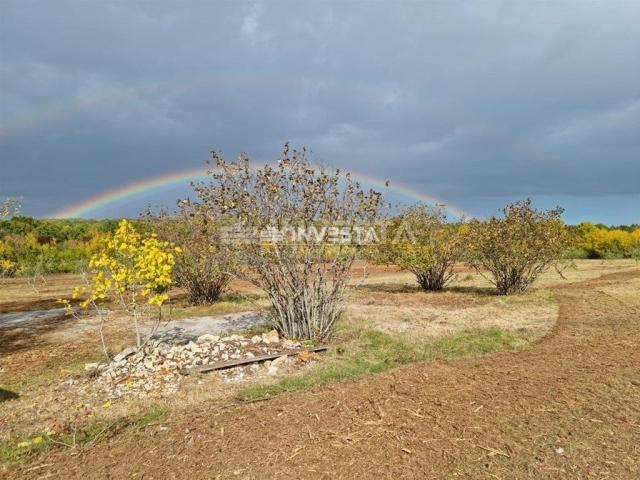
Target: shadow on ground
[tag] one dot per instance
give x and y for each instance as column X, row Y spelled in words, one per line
column 7, row 395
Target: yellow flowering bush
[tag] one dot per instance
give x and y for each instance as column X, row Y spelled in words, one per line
column 131, row 270
column 8, row 266
column 600, row 242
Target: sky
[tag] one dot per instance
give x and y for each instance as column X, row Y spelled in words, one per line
column 473, row 103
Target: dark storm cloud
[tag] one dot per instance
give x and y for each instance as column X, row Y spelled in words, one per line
column 465, row 101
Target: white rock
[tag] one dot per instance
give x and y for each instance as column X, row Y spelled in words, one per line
column 278, row 362
column 90, row 366
column 207, row 338
column 124, row 354
column 271, row 337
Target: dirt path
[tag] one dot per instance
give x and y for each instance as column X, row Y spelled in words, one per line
column 566, row 407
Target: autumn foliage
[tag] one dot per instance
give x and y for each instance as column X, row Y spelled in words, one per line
column 203, row 269
column 514, row 249
column 133, row 272
column 421, row 241
column 303, row 277
column 594, row 241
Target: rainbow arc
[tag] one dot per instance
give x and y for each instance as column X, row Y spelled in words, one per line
column 146, row 186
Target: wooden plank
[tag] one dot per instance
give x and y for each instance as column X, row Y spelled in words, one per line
column 246, row 361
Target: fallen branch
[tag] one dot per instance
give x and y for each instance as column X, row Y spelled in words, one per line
column 493, row 451
column 246, row 361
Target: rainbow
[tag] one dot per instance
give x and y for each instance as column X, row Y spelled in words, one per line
column 145, row 186
column 62, row 109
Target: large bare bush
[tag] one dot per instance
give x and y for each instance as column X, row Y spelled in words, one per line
column 288, row 229
column 421, row 241
column 518, row 246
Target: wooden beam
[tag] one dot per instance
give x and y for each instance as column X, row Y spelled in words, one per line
column 246, row 361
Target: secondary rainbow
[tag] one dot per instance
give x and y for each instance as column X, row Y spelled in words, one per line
column 148, row 185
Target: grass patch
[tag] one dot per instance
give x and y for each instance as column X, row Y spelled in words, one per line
column 48, row 374
column 19, row 448
column 534, row 296
column 375, row 352
column 153, row 415
column 230, row 302
column 254, row 330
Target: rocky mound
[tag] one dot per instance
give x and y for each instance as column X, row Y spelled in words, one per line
column 159, row 366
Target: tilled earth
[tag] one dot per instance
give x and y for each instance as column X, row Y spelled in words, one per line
column 568, row 406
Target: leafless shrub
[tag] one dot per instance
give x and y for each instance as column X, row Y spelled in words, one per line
column 303, row 275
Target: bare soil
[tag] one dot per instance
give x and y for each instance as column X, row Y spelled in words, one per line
column 38, row 358
column 566, row 407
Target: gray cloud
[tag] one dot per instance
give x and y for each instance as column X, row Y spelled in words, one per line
column 475, row 103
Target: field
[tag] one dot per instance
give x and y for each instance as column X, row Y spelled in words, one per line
column 456, row 383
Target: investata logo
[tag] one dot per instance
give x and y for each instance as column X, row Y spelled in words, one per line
column 332, row 234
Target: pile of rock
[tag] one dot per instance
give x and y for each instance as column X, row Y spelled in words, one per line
column 156, row 368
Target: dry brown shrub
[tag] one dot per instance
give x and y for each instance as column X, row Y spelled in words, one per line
column 303, row 275
column 518, row 246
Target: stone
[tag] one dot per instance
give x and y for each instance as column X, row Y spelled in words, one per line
column 127, row 352
column 207, row 338
column 156, row 367
column 278, row 362
column 271, row 337
column 90, row 366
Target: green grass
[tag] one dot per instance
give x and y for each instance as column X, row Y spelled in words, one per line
column 227, row 303
column 19, row 447
column 534, row 296
column 375, row 352
column 24, row 381
column 153, row 415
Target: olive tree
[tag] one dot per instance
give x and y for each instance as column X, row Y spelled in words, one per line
column 292, row 229
column 421, row 241
column 514, row 249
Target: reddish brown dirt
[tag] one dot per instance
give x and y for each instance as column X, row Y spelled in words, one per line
column 566, row 407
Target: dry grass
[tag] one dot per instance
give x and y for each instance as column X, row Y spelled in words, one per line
column 20, row 294
column 390, row 300
column 387, row 301
column 427, row 315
